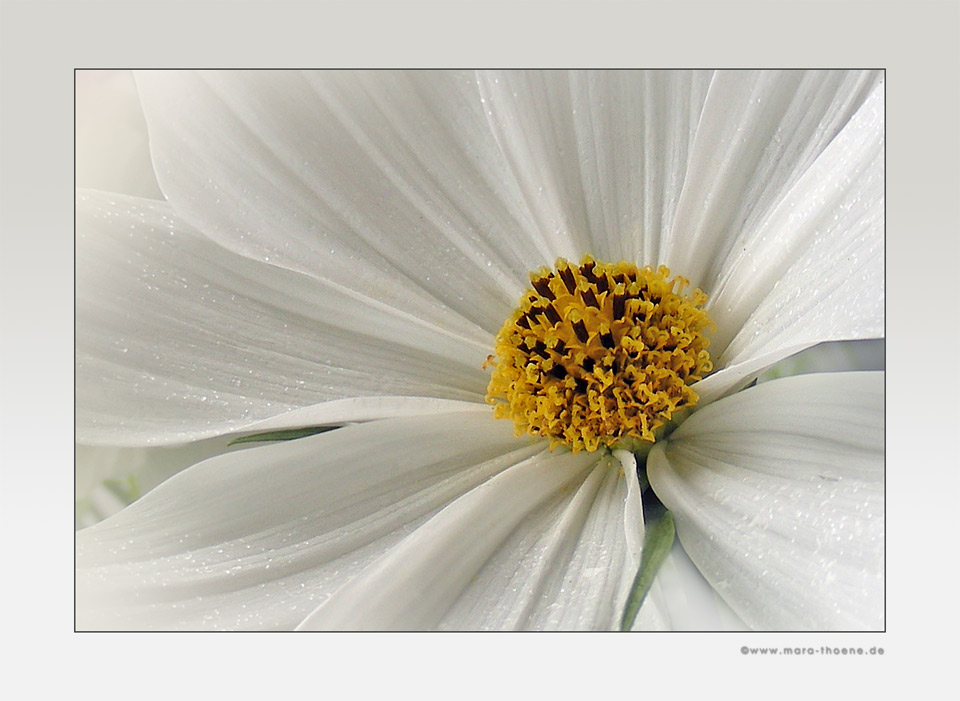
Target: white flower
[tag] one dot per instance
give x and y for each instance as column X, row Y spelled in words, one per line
column 341, row 248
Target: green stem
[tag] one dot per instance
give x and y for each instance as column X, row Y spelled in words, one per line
column 656, row 545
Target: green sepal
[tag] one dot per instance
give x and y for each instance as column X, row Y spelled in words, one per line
column 656, row 545
column 284, row 435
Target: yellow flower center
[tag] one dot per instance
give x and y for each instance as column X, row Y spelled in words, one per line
column 600, row 354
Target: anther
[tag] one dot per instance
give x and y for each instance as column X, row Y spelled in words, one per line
column 589, row 298
column 566, row 274
column 552, row 314
column 619, row 300
column 542, row 285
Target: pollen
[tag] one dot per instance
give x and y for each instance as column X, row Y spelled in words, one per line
column 600, row 355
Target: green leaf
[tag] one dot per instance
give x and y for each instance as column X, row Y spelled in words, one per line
column 656, row 545
column 126, row 489
column 284, row 435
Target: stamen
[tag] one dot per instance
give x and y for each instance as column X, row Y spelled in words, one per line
column 568, row 280
column 589, row 298
column 619, row 299
column 552, row 314
column 542, row 285
column 580, row 329
column 589, row 368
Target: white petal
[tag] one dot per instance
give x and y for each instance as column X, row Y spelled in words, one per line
column 341, row 411
column 387, row 183
column 260, row 537
column 759, row 132
column 568, row 566
column 545, row 544
column 600, row 156
column 109, row 478
column 687, row 599
column 813, row 270
column 111, row 135
column 819, row 254
column 778, row 496
column 837, row 356
column 178, row 338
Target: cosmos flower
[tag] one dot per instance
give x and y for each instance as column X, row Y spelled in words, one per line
column 357, row 249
